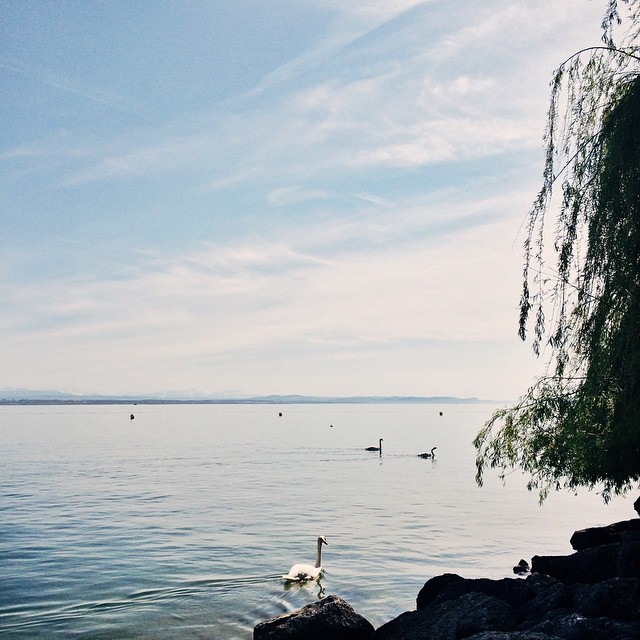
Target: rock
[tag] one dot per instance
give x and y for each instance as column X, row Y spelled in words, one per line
column 513, row 635
column 329, row 619
column 462, row 617
column 617, row 598
column 636, row 506
column 548, row 594
column 588, row 566
column 540, row 607
column 574, row 626
column 629, row 555
column 440, row 589
column 435, row 586
column 595, row 564
column 596, row 536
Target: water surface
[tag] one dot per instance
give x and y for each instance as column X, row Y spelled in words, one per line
column 179, row 524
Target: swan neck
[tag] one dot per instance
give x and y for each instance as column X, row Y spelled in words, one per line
column 319, row 554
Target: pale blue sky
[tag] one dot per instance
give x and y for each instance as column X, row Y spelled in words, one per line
column 259, row 196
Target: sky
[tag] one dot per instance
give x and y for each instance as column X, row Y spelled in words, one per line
column 252, row 197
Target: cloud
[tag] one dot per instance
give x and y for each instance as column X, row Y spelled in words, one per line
column 284, row 196
column 422, row 114
column 271, row 302
column 348, row 223
column 47, row 76
column 369, row 197
column 21, row 152
column 262, row 291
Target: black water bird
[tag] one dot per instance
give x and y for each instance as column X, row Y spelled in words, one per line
column 378, row 448
column 428, row 455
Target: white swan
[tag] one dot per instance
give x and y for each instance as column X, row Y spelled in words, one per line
column 303, row 572
column 428, row 455
column 378, row 448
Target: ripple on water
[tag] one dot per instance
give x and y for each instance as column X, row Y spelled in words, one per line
column 180, row 526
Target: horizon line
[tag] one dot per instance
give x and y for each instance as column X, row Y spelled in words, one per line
column 23, row 397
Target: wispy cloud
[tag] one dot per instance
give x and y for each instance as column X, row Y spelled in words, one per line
column 283, row 196
column 346, row 223
column 423, row 115
column 43, row 75
column 274, row 300
column 291, row 286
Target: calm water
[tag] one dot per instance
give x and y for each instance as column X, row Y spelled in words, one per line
column 179, row 523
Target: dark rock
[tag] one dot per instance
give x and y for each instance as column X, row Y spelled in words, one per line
column 540, row 607
column 617, row 598
column 636, row 506
column 596, row 536
column 451, row 620
column 548, row 594
column 450, row 586
column 588, row 566
column 434, row 587
column 575, row 626
column 513, row 635
column 629, row 555
column 329, row 619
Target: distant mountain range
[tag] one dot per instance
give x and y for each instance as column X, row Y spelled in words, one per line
column 10, row 396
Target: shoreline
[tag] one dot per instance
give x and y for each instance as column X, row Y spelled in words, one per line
column 591, row 593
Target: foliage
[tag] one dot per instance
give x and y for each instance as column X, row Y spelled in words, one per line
column 580, row 424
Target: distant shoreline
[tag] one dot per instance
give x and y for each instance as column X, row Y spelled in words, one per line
column 271, row 400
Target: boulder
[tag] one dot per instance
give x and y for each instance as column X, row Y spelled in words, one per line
column 435, row 587
column 596, row 536
column 588, row 566
column 541, row 607
column 329, row 619
column 636, row 506
column 514, row 591
column 595, row 564
column 513, row 635
column 629, row 555
column 547, row 594
column 575, row 626
column 462, row 617
column 617, row 598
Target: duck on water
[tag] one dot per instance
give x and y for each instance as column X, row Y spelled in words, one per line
column 428, row 455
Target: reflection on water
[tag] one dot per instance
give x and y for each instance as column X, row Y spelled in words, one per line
column 179, row 524
column 311, row 586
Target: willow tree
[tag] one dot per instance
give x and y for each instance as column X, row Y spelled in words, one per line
column 579, row 425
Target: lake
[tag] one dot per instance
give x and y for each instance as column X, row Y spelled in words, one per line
column 179, row 523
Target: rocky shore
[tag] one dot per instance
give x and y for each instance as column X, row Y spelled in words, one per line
column 591, row 594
